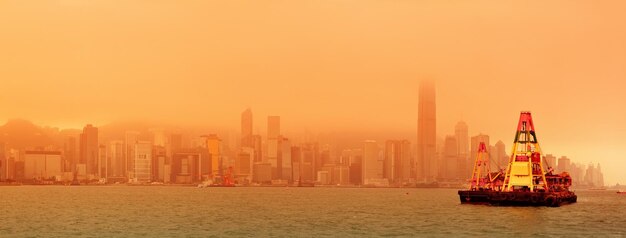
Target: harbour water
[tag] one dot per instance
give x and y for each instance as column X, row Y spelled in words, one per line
column 164, row 211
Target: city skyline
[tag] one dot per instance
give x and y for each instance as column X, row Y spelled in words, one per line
column 72, row 63
column 450, row 162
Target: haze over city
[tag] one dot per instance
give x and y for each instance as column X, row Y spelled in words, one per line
column 327, row 68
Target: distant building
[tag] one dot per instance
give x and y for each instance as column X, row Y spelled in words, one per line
column 397, row 164
column 461, row 133
column 372, row 163
column 310, row 154
column 214, row 145
column 159, row 160
column 42, row 165
column 71, row 154
column 262, row 173
column 285, row 162
column 102, row 161
column 273, row 145
column 426, row 132
column 142, row 162
column 247, row 139
column 449, row 160
column 244, row 164
column 158, row 137
column 563, row 165
column 117, row 163
column 323, row 177
column 185, row 167
column 499, row 157
column 89, row 149
column 4, row 162
column 130, row 140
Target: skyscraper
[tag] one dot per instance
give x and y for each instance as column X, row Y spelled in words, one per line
column 273, row 145
column 142, row 162
column 214, row 145
column 426, row 132
column 498, row 156
column 372, row 164
column 117, row 166
column 563, row 164
column 130, row 139
column 89, row 149
column 397, row 166
column 247, row 139
column 273, row 127
column 462, row 139
column 449, row 159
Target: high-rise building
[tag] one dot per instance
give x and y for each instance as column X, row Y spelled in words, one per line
column 462, row 138
column 71, row 154
column 130, row 139
column 449, row 159
column 258, row 145
column 372, row 164
column 461, row 133
column 563, row 165
column 244, row 164
column 142, row 162
column 499, row 157
column 4, row 162
column 426, row 132
column 285, row 163
column 296, row 163
column 273, row 127
column 273, row 145
column 355, row 166
column 42, row 165
column 89, row 149
column 102, row 161
column 214, row 145
column 397, row 161
column 117, row 164
column 247, row 139
column 159, row 160
column 158, row 137
column 185, row 167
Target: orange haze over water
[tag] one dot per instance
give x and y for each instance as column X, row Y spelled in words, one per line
column 326, row 66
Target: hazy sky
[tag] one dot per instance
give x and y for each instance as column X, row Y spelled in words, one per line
column 325, row 66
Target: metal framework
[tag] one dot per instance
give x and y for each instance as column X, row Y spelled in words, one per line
column 480, row 174
column 525, row 170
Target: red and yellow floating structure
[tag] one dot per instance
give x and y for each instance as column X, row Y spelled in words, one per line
column 525, row 182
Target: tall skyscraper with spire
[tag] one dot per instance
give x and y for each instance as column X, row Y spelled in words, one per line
column 426, row 132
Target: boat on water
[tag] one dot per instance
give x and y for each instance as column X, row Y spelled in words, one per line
column 524, row 182
column 621, row 192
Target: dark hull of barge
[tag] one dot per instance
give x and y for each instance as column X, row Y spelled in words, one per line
column 517, row 198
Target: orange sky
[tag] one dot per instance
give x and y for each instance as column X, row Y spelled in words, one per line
column 325, row 66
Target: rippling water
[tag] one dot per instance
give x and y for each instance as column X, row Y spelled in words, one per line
column 125, row 211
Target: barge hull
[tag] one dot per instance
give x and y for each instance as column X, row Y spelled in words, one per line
column 518, row 198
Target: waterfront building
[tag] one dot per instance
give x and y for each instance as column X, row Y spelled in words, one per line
column 89, row 149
